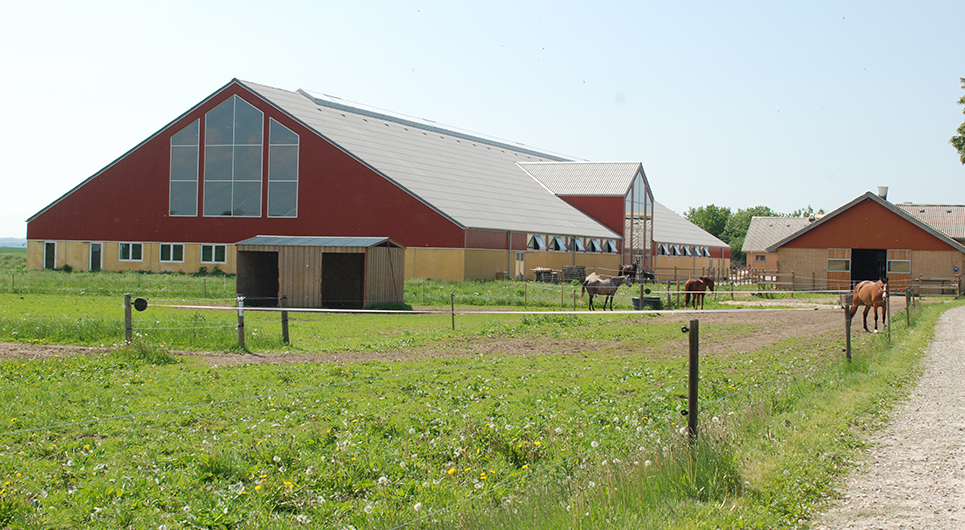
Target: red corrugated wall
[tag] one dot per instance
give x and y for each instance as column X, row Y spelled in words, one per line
column 337, row 196
column 609, row 211
column 868, row 225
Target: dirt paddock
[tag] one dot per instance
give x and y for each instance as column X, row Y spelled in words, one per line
column 771, row 325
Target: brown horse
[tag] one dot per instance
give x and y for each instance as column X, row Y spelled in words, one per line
column 696, row 287
column 595, row 284
column 635, row 273
column 871, row 295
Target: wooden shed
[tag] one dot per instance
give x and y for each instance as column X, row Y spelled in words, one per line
column 323, row 272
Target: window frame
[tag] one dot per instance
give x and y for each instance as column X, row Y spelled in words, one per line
column 214, row 253
column 130, row 246
column 172, row 258
column 213, row 174
column 271, row 126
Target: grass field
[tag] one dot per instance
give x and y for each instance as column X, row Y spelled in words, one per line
column 137, row 437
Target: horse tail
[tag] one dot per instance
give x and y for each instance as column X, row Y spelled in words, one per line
column 687, row 298
column 583, row 290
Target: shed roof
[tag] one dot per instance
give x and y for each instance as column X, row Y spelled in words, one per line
column 303, row 241
column 472, row 180
column 947, row 218
column 585, row 178
column 765, row 231
column 670, row 228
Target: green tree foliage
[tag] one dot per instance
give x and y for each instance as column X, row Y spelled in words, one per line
column 712, row 219
column 958, row 141
column 737, row 225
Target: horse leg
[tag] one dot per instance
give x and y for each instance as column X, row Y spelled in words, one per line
column 865, row 314
column 591, row 301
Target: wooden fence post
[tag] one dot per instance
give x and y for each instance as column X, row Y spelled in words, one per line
column 692, row 380
column 452, row 308
column 241, row 322
column 908, row 307
column 128, row 320
column 847, row 326
column 284, row 319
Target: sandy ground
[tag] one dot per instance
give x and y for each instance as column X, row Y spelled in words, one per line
column 914, row 477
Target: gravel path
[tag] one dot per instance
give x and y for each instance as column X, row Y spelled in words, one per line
column 915, row 474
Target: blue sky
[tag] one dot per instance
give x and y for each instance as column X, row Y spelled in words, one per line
column 736, row 104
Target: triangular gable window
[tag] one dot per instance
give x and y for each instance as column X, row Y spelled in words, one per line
column 595, row 246
column 557, row 244
column 536, row 243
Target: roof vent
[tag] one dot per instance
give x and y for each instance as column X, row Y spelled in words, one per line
column 883, row 192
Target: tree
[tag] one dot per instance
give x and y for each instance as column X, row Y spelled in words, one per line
column 736, row 229
column 959, row 141
column 805, row 212
column 712, row 219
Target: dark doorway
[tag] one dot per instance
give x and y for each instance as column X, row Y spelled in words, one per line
column 342, row 280
column 95, row 257
column 258, row 278
column 868, row 264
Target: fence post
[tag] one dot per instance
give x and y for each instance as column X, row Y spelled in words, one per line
column 241, row 322
column 847, row 326
column 668, row 294
column 692, row 380
column 525, row 295
column 284, row 319
column 452, row 308
column 908, row 307
column 128, row 320
column 887, row 316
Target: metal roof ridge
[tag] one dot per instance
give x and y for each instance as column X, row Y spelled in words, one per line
column 425, row 124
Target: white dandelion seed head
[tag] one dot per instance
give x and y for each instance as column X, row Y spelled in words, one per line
column 417, row 506
column 594, row 444
column 369, row 509
column 647, row 463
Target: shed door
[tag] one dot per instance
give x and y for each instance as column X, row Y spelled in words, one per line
column 257, row 278
column 343, row 280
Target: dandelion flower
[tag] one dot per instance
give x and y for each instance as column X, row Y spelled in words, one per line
column 452, row 471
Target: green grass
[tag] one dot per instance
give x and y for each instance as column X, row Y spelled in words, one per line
column 480, row 437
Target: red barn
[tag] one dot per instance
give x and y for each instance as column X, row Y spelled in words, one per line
column 254, row 160
column 868, row 239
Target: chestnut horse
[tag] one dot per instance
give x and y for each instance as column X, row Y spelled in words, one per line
column 871, row 295
column 696, row 288
column 595, row 284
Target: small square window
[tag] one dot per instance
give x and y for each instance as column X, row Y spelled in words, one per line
column 213, row 254
column 172, row 252
column 129, row 251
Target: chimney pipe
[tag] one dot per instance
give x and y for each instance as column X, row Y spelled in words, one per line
column 883, row 192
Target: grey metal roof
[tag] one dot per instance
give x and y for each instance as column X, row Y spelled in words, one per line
column 873, row 197
column 585, row 178
column 946, row 218
column 471, row 180
column 303, row 241
column 765, row 231
column 672, row 229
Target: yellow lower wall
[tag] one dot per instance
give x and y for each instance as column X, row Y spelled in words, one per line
column 76, row 254
column 449, row 264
